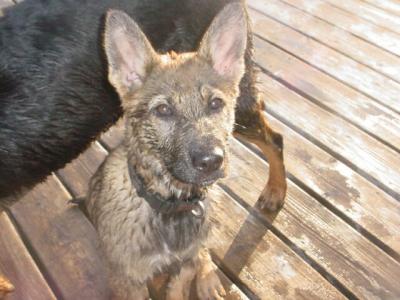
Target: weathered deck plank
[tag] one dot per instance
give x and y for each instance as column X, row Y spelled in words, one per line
column 332, row 95
column 328, row 34
column 392, row 6
column 368, row 12
column 59, row 236
column 260, row 260
column 338, row 248
column 19, row 267
column 76, row 175
column 329, row 93
column 364, row 204
column 356, row 75
column 372, row 33
column 331, row 132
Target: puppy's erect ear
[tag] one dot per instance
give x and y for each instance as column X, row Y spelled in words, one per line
column 128, row 51
column 224, row 43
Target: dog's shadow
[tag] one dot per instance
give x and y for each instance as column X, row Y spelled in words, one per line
column 247, row 252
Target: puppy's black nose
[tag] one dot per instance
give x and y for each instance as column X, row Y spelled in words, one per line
column 209, row 161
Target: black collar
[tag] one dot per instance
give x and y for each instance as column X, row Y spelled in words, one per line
column 168, row 206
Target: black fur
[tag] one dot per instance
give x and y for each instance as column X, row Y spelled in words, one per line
column 54, row 94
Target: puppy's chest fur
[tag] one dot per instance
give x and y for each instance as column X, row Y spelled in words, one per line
column 137, row 240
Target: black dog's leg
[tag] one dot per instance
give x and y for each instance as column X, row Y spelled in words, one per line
column 251, row 125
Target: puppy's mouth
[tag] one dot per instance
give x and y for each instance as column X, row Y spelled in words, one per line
column 211, row 180
column 199, row 179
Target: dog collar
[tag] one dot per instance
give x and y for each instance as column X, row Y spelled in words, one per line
column 168, row 206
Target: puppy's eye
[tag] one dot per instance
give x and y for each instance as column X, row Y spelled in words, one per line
column 163, row 110
column 216, row 103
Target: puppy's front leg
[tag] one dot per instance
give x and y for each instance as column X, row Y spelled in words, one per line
column 207, row 281
column 271, row 144
column 179, row 286
column 124, row 289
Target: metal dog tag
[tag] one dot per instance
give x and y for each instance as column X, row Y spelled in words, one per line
column 198, row 211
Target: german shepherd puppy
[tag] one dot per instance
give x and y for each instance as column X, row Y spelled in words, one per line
column 149, row 201
column 55, row 98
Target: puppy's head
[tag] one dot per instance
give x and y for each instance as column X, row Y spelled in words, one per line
column 179, row 107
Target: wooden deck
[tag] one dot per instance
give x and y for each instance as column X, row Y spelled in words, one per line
column 330, row 72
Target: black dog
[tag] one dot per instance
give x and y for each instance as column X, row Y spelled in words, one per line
column 55, row 98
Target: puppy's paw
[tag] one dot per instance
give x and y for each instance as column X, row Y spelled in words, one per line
column 175, row 294
column 129, row 292
column 209, row 286
column 272, row 197
column 179, row 292
column 5, row 287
